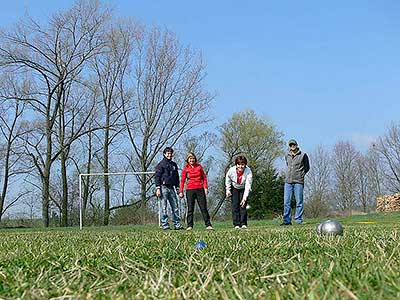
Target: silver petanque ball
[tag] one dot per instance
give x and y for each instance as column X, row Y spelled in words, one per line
column 330, row 227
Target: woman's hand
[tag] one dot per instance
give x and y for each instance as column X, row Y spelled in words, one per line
column 180, row 195
column 206, row 191
column 228, row 194
column 243, row 202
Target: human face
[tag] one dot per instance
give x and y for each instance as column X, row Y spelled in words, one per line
column 191, row 160
column 240, row 167
column 293, row 147
column 168, row 155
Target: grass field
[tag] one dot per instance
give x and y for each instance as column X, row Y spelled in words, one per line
column 263, row 262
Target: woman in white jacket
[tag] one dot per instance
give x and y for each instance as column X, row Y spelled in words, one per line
column 238, row 182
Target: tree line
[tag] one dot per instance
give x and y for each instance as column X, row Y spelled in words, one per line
column 346, row 180
column 85, row 92
column 342, row 179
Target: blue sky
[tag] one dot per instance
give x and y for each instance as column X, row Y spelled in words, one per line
column 321, row 71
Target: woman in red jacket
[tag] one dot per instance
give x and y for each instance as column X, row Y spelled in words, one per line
column 196, row 188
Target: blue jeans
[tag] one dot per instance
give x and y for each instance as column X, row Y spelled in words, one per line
column 297, row 189
column 168, row 195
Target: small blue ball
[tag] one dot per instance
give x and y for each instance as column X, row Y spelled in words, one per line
column 200, row 245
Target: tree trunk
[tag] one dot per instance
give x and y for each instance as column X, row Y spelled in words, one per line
column 46, row 176
column 64, row 180
column 106, row 179
column 143, row 183
column 6, row 178
column 143, row 187
column 87, row 184
column 11, row 136
column 45, row 196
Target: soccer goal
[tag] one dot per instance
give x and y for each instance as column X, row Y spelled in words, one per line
column 126, row 190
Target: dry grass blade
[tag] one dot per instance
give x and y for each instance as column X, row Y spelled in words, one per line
column 278, row 275
column 346, row 290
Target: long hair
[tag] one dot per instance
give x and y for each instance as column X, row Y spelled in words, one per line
column 189, row 155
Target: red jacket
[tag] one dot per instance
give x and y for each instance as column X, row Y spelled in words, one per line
column 196, row 176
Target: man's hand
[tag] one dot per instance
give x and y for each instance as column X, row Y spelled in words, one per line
column 181, row 195
column 243, row 202
column 228, row 194
column 206, row 191
column 158, row 192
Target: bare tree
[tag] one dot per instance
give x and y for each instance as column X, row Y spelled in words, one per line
column 318, row 187
column 77, row 108
column 84, row 164
column 11, row 129
column 363, row 184
column 112, row 69
column 52, row 55
column 200, row 145
column 388, row 148
column 375, row 173
column 169, row 98
column 31, row 203
column 345, row 175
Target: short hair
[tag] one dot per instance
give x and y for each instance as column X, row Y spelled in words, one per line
column 189, row 155
column 168, row 149
column 240, row 159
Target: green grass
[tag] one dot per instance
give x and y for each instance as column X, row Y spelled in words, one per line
column 264, row 262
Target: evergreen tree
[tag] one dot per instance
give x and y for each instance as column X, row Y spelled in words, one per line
column 266, row 198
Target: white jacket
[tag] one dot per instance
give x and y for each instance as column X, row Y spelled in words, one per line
column 231, row 180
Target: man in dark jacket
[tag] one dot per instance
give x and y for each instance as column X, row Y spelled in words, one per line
column 297, row 166
column 167, row 182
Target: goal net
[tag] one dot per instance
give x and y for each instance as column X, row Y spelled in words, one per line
column 131, row 199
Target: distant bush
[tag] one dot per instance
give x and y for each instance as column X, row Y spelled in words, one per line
column 133, row 215
column 20, row 223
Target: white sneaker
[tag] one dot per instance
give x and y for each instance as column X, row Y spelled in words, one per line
column 244, row 227
column 189, row 228
column 209, row 228
column 237, row 227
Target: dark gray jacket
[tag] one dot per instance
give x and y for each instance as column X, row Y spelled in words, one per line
column 297, row 167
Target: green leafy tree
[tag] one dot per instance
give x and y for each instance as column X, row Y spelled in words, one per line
column 255, row 137
column 258, row 139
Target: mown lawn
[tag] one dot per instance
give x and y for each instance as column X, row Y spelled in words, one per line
column 264, row 262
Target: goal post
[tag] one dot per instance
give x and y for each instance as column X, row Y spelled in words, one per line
column 81, row 175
